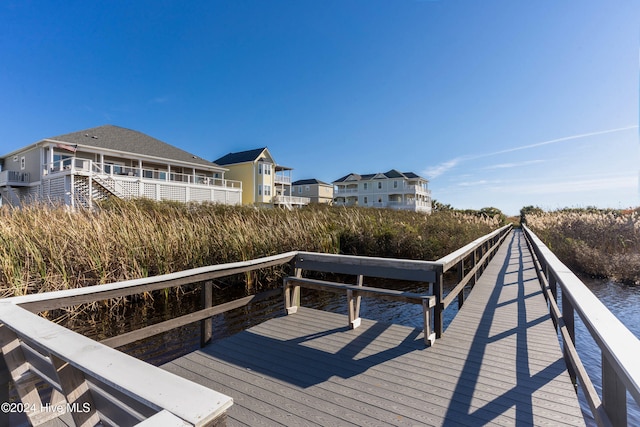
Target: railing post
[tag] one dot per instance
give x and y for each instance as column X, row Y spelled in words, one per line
column 438, row 287
column 553, row 284
column 569, row 320
column 354, row 304
column 614, row 395
column 474, row 260
column 5, row 383
column 206, row 325
column 460, row 277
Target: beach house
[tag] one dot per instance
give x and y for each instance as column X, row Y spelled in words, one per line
column 264, row 182
column 317, row 191
column 78, row 168
column 393, row 189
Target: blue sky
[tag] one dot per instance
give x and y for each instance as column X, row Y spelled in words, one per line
column 497, row 103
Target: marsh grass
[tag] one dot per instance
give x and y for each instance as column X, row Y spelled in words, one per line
column 45, row 248
column 601, row 243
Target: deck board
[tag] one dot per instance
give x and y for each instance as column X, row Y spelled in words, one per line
column 498, row 363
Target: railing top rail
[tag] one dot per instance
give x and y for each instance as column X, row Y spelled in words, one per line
column 616, row 341
column 453, row 258
column 63, row 298
column 145, row 383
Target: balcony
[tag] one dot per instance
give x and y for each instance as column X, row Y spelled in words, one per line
column 281, row 179
column 14, row 178
column 340, row 191
column 79, row 166
column 291, row 200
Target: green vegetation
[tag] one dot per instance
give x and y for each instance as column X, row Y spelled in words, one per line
column 601, row 243
column 44, row 248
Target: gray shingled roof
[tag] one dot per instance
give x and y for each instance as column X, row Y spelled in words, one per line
column 240, row 157
column 393, row 173
column 309, row 182
column 129, row 141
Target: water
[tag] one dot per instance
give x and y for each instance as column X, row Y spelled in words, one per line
column 622, row 300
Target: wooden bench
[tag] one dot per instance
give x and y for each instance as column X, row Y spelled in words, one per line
column 354, row 292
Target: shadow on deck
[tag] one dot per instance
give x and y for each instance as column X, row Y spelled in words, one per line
column 499, row 362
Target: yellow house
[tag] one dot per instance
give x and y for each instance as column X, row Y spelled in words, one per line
column 265, row 183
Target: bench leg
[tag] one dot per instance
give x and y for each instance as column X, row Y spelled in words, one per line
column 291, row 298
column 354, row 315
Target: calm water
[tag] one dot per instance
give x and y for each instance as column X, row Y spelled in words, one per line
column 622, row 300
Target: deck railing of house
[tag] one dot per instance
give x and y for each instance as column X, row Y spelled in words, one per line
column 291, row 200
column 619, row 347
column 14, row 177
column 346, row 190
column 281, row 179
column 79, row 165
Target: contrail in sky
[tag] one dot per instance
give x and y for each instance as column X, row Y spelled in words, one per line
column 553, row 141
column 440, row 169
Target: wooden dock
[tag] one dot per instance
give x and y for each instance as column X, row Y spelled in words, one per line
column 497, row 363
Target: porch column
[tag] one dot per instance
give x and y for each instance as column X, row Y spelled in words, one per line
column 140, row 176
column 166, row 178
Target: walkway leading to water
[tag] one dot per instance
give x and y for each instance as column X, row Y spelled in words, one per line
column 499, row 363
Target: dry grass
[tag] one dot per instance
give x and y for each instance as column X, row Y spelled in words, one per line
column 601, row 243
column 44, row 248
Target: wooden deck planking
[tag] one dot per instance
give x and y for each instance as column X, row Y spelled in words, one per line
column 498, row 363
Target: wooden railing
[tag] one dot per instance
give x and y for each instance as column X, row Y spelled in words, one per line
column 470, row 261
column 620, row 349
column 120, row 390
column 97, row 384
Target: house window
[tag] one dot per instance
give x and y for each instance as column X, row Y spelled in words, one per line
column 306, row 188
column 379, row 186
column 379, row 199
column 267, row 190
column 260, row 168
column 300, row 189
column 259, row 190
column 364, row 186
column 23, row 163
column 267, row 169
column 395, row 184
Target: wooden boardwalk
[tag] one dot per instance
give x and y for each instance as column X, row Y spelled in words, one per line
column 498, row 363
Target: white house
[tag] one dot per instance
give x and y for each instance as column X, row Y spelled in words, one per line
column 80, row 167
column 393, row 189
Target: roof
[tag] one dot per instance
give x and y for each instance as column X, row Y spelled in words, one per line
column 393, row 173
column 309, row 182
column 128, row 141
column 240, row 157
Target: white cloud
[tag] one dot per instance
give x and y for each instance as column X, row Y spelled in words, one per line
column 474, row 183
column 435, row 171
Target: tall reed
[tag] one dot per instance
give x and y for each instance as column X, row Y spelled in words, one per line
column 601, row 243
column 44, row 248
